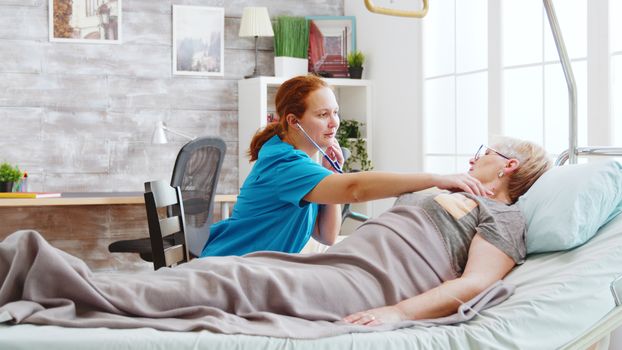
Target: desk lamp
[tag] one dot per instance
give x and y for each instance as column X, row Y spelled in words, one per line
column 255, row 22
column 159, row 135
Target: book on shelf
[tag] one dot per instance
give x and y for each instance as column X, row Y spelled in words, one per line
column 29, row 194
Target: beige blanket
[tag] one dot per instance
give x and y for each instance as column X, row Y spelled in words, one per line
column 389, row 259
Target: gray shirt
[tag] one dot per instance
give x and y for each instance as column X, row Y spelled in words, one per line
column 459, row 216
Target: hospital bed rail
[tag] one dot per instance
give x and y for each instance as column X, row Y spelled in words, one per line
column 573, row 150
column 598, row 335
column 604, row 151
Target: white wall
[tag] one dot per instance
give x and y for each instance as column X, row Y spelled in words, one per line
column 393, row 63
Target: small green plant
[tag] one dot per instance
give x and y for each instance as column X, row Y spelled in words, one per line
column 356, row 59
column 291, row 37
column 9, row 173
column 349, row 136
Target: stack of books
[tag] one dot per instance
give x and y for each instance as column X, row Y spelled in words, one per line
column 331, row 66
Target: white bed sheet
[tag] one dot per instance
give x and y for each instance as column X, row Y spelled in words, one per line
column 558, row 296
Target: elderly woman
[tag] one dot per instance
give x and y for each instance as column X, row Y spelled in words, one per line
column 418, row 261
column 484, row 237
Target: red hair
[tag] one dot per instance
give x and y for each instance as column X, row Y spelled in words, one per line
column 291, row 98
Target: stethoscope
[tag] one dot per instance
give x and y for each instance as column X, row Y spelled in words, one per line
column 332, row 163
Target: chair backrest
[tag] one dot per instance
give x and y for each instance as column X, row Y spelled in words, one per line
column 159, row 194
column 196, row 172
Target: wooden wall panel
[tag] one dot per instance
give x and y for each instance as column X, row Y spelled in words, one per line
column 16, row 13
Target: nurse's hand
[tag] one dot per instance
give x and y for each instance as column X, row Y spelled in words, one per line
column 334, row 152
column 462, row 182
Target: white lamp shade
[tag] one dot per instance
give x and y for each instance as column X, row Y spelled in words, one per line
column 255, row 22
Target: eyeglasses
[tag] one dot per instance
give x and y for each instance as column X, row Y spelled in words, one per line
column 483, row 149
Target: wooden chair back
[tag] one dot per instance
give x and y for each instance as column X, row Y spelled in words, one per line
column 159, row 194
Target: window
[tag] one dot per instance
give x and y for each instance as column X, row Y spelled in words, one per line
column 456, row 83
column 528, row 76
column 535, row 90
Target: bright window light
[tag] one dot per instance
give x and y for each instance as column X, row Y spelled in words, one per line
column 471, row 111
column 616, row 86
column 523, row 103
column 556, row 106
column 439, row 39
column 615, row 10
column 522, row 31
column 471, row 35
column 440, row 118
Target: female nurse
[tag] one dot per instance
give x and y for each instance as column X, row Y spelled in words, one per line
column 288, row 197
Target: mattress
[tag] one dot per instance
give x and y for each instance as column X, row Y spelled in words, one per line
column 558, row 296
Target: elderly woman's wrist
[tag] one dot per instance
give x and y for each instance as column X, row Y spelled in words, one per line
column 404, row 311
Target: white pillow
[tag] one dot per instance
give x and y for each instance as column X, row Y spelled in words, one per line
column 567, row 205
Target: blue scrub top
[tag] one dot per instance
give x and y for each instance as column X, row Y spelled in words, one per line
column 270, row 213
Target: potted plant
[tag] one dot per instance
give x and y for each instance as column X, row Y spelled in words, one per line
column 291, row 45
column 9, row 175
column 349, row 136
column 355, row 64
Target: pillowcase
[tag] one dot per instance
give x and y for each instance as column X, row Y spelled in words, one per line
column 567, row 205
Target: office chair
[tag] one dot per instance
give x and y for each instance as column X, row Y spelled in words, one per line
column 196, row 172
column 346, row 213
column 159, row 194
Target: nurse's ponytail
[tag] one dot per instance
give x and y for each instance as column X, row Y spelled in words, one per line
column 291, row 98
column 262, row 136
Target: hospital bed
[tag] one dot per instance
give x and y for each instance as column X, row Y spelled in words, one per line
column 562, row 299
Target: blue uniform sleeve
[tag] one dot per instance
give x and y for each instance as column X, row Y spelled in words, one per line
column 297, row 177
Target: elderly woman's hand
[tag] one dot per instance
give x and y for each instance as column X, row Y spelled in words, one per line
column 462, row 182
column 377, row 316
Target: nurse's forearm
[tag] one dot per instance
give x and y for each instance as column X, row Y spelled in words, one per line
column 368, row 185
column 373, row 185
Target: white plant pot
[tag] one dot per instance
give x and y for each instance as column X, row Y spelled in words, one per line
column 290, row 66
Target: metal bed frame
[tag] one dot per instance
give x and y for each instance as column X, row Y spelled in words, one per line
column 573, row 150
column 598, row 334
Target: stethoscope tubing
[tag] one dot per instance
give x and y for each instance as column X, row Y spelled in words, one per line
column 332, row 163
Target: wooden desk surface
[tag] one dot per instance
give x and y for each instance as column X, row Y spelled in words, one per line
column 93, row 198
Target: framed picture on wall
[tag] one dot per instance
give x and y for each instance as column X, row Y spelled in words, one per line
column 89, row 21
column 198, row 40
column 331, row 39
